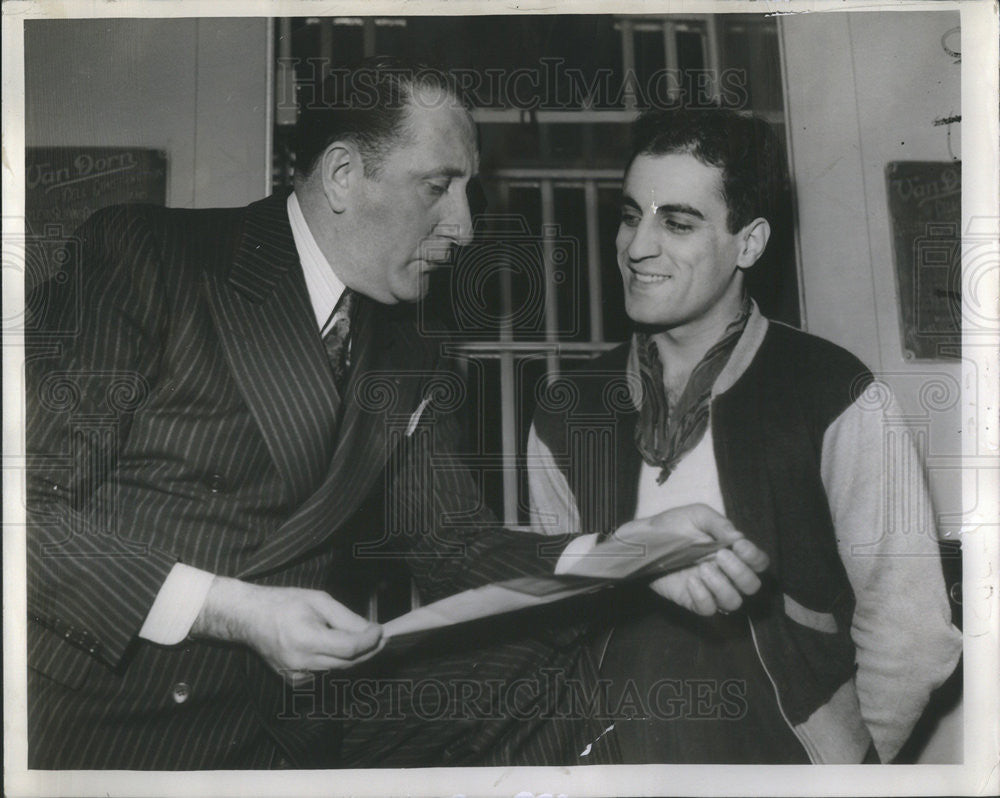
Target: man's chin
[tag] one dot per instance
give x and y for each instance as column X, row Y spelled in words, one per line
column 646, row 318
column 414, row 291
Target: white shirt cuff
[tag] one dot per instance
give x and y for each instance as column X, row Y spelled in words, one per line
column 575, row 552
column 176, row 605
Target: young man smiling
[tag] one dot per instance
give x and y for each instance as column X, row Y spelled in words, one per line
column 835, row 657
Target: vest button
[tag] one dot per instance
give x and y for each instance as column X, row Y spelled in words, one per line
column 181, row 692
column 216, row 483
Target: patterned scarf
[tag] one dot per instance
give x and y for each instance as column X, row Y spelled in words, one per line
column 664, row 437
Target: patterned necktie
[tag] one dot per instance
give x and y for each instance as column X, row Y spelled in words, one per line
column 337, row 338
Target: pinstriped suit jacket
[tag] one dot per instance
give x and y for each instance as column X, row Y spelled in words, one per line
column 181, row 408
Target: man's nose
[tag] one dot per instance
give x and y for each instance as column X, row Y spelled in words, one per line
column 644, row 242
column 457, row 222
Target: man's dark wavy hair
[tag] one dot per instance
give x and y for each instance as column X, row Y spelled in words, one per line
column 366, row 104
column 742, row 145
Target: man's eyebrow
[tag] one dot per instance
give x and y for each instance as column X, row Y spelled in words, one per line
column 445, row 171
column 663, row 210
column 689, row 210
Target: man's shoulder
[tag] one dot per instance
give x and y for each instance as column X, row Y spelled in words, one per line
column 140, row 233
column 799, row 374
column 810, row 358
column 129, row 220
column 152, row 248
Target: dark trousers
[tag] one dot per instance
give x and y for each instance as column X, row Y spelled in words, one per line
column 690, row 690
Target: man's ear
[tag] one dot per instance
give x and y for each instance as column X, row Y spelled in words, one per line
column 340, row 167
column 754, row 239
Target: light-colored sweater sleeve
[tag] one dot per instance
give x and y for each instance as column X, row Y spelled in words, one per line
column 887, row 539
column 553, row 507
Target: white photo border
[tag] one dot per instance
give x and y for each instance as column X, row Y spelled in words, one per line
column 978, row 774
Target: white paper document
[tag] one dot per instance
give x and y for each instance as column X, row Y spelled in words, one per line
column 608, row 563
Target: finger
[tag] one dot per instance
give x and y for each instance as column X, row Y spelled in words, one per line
column 714, row 524
column 327, row 662
column 701, row 600
column 337, row 615
column 738, row 572
column 668, row 587
column 751, row 555
column 345, row 645
column 726, row 596
column 297, row 678
column 367, row 655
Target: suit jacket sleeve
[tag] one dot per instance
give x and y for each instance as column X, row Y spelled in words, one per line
column 454, row 542
column 93, row 357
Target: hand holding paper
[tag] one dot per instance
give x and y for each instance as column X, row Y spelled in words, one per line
column 717, row 583
column 692, row 538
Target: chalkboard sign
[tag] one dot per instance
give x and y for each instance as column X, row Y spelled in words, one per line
column 925, row 211
column 64, row 185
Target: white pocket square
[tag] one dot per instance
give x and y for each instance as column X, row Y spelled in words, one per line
column 415, row 418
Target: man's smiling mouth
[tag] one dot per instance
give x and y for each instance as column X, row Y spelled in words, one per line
column 644, row 277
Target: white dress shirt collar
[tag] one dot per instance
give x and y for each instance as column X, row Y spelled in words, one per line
column 323, row 285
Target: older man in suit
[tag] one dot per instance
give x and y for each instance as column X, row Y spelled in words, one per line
column 221, row 405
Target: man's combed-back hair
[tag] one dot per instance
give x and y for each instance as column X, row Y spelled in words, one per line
column 367, row 105
column 740, row 144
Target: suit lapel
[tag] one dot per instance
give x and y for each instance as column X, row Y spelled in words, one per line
column 390, row 364
column 266, row 324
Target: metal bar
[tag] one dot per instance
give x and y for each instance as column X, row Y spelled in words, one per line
column 628, row 63
column 515, row 116
column 369, row 37
column 593, row 263
column 285, row 42
column 480, row 348
column 508, row 421
column 286, row 110
column 326, row 45
column 713, row 50
column 564, row 354
column 508, row 116
column 541, row 173
column 551, row 306
column 270, row 111
column 670, row 48
column 508, row 437
column 560, row 184
column 652, row 27
column 506, row 289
